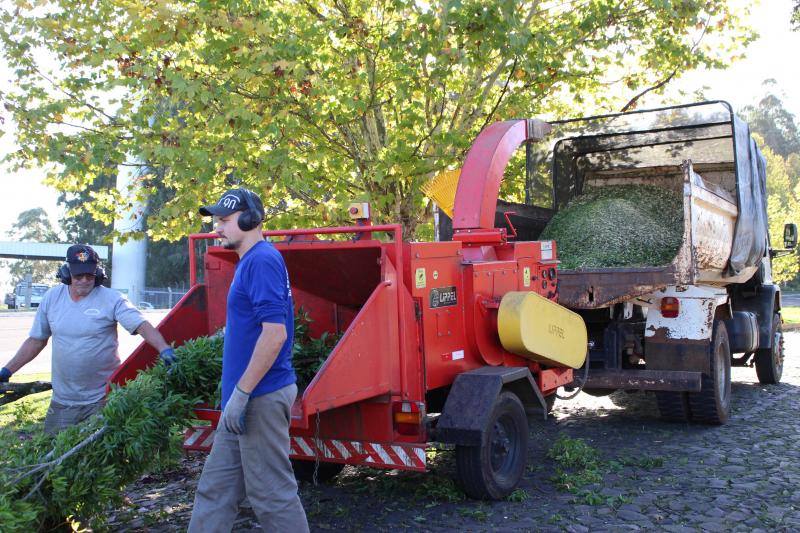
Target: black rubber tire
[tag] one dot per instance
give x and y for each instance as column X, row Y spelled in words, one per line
column 304, row 470
column 769, row 362
column 712, row 405
column 674, row 406
column 492, row 470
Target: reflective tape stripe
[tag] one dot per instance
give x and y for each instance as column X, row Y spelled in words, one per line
column 355, row 452
column 342, row 449
column 303, row 446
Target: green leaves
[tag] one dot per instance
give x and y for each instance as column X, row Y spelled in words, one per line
column 140, row 426
column 323, row 102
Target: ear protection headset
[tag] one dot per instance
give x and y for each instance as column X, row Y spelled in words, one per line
column 252, row 216
column 65, row 275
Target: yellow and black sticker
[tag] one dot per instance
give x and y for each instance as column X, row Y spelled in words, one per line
column 526, row 276
column 419, row 278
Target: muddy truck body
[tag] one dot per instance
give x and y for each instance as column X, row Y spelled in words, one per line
column 674, row 329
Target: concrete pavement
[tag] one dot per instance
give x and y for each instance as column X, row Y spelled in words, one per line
column 14, row 327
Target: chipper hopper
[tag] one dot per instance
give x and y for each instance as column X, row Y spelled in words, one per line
column 452, row 342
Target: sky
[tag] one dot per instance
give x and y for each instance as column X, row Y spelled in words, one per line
column 771, row 56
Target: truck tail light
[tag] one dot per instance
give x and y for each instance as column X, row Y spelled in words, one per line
column 670, row 307
column 407, row 418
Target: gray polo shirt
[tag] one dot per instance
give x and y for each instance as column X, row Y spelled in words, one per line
column 84, row 340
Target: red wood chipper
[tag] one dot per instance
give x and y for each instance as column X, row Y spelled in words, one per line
column 453, row 342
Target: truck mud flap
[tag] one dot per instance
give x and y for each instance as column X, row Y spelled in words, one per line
column 660, row 380
column 472, row 397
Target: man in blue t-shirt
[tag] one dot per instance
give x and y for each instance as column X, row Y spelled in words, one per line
column 250, row 455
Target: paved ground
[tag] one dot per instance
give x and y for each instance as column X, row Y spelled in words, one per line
column 15, row 325
column 790, row 299
column 744, row 476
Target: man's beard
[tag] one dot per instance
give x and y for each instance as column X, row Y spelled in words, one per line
column 231, row 245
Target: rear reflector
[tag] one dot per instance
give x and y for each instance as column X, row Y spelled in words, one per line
column 407, row 418
column 670, row 307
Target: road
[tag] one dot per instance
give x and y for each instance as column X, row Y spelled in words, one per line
column 14, row 327
column 791, row 299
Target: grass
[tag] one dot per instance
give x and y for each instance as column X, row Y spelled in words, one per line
column 28, row 411
column 791, row 315
column 578, row 465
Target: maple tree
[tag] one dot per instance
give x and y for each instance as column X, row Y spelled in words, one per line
column 317, row 103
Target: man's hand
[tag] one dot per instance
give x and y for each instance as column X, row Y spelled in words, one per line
column 168, row 356
column 5, row 374
column 233, row 415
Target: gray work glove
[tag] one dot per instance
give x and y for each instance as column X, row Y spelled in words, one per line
column 233, row 414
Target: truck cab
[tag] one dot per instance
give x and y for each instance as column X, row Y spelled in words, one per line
column 17, row 299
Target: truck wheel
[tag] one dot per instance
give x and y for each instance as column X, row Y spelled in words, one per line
column 712, row 405
column 492, row 469
column 304, row 470
column 673, row 406
column 769, row 362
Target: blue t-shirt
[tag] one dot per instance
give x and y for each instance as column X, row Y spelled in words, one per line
column 260, row 292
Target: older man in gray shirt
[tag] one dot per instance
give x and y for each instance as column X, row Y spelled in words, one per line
column 81, row 315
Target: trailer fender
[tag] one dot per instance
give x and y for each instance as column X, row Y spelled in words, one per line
column 469, row 404
column 682, row 342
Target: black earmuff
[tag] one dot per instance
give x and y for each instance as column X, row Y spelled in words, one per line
column 253, row 216
column 65, row 275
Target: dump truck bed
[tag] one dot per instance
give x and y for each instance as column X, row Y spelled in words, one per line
column 709, row 220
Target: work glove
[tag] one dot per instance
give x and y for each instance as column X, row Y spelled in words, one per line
column 233, row 414
column 5, row 374
column 168, row 356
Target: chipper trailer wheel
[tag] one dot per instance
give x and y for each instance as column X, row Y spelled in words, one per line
column 769, row 362
column 712, row 405
column 492, row 469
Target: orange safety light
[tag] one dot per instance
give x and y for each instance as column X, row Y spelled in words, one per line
column 407, row 418
column 670, row 307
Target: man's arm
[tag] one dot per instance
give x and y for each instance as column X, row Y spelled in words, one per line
column 267, row 348
column 152, row 336
column 29, row 349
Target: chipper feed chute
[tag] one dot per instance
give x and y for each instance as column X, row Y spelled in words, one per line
column 532, row 326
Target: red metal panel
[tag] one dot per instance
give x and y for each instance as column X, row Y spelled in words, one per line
column 479, row 183
column 360, row 365
column 185, row 321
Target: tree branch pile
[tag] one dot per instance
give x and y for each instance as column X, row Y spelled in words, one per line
column 49, row 483
column 11, row 392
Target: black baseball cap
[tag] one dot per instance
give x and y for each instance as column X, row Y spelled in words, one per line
column 230, row 202
column 82, row 259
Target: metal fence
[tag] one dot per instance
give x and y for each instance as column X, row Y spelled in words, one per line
column 160, row 297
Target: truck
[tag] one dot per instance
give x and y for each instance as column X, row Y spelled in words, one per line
column 466, row 340
column 677, row 328
column 18, row 298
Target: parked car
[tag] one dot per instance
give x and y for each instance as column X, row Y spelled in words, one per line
column 16, row 299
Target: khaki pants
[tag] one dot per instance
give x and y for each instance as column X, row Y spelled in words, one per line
column 255, row 464
column 60, row 416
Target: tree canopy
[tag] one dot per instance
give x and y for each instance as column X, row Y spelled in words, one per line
column 315, row 103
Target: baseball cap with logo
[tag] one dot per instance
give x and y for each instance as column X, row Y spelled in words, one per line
column 82, row 259
column 230, row 202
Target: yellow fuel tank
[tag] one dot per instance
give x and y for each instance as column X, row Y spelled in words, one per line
column 534, row 327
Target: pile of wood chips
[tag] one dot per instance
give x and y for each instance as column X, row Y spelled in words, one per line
column 618, row 226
